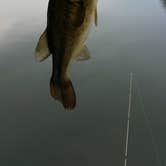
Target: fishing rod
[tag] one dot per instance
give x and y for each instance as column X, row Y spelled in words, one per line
column 128, row 120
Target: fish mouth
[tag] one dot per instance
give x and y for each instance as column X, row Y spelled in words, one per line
column 64, row 93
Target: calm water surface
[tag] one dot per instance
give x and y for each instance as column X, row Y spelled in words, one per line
column 35, row 130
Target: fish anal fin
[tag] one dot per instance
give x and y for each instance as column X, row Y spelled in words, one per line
column 84, row 54
column 42, row 50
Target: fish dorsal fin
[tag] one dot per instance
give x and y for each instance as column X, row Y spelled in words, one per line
column 84, row 54
column 96, row 17
column 42, row 50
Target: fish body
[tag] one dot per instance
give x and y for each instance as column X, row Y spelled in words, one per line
column 68, row 24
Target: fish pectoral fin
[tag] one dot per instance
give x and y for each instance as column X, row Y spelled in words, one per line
column 84, row 54
column 42, row 51
column 96, row 17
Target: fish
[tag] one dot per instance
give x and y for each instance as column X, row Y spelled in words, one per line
column 68, row 26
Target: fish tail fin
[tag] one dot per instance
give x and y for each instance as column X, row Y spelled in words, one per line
column 64, row 92
column 55, row 90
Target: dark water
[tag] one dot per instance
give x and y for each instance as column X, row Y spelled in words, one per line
column 35, row 130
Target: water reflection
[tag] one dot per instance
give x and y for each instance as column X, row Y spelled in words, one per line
column 5, row 24
column 68, row 24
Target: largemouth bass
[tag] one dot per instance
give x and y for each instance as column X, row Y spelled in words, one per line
column 68, row 24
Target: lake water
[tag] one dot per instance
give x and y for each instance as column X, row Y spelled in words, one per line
column 36, row 130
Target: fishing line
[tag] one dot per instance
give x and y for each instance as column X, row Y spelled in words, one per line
column 128, row 118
